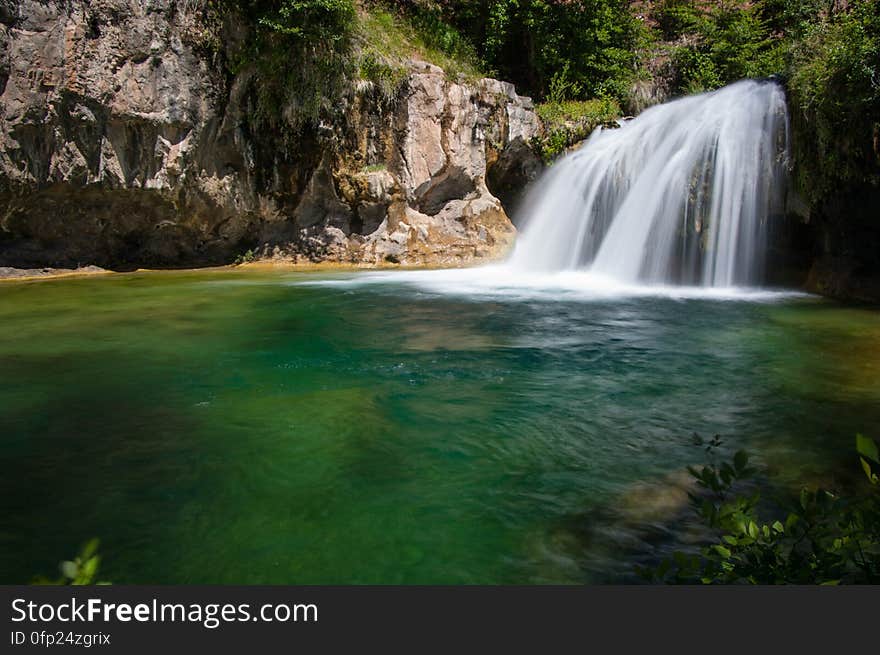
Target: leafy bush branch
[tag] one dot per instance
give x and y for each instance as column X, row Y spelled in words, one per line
column 823, row 536
column 81, row 570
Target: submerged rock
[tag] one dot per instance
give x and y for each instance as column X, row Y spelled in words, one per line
column 124, row 144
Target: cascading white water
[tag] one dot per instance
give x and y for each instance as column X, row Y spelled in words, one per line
column 681, row 194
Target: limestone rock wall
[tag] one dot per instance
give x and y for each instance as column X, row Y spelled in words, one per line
column 124, row 142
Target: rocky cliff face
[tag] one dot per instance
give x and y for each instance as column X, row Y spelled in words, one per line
column 843, row 254
column 123, row 143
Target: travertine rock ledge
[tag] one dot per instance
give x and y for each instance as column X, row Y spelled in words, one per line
column 122, row 144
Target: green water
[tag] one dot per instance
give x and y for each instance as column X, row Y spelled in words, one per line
column 226, row 427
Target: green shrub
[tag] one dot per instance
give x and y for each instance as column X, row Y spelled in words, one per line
column 827, row 53
column 389, row 36
column 309, row 20
column 821, row 537
column 719, row 45
column 834, row 87
column 569, row 122
column 678, row 17
column 741, row 44
column 696, row 70
column 245, row 258
column 561, row 87
column 81, row 570
column 439, row 34
column 529, row 42
column 301, row 54
column 387, row 79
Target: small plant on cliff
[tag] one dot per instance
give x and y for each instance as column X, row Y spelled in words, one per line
column 824, row 536
column 566, row 123
column 300, row 54
column 245, row 258
column 562, row 88
column 81, row 570
column 391, row 34
column 386, row 79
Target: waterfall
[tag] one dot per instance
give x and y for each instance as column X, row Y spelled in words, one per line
column 681, row 194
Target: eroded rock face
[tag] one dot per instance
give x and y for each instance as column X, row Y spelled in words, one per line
column 123, row 143
column 432, row 202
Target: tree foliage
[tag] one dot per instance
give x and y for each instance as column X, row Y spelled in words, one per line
column 834, row 85
column 717, row 44
column 827, row 52
column 529, row 41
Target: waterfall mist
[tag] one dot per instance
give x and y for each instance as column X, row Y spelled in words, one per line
column 682, row 194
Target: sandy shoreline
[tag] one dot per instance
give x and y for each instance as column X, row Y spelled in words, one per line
column 11, row 274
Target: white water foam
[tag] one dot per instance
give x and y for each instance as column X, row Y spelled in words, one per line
column 500, row 282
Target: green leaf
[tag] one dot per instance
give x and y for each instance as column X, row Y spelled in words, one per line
column 868, row 472
column 90, row 548
column 778, row 526
column 867, row 448
column 753, row 530
column 90, row 568
column 721, row 550
column 730, row 539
